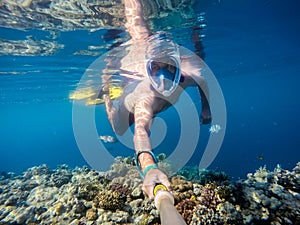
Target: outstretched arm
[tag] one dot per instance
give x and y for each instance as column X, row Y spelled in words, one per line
column 143, row 115
column 191, row 69
column 143, row 107
column 136, row 24
column 203, row 88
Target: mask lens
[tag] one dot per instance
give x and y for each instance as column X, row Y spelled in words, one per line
column 164, row 74
column 163, row 63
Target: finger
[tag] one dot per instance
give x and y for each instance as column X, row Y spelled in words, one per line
column 151, row 196
column 148, row 190
column 144, row 191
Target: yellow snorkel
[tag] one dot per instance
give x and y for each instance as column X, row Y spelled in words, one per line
column 164, row 202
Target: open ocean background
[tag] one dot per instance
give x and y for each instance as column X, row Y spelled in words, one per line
column 252, row 47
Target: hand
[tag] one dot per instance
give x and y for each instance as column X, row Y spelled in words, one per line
column 205, row 117
column 153, row 177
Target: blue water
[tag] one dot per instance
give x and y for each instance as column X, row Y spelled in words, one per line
column 252, row 47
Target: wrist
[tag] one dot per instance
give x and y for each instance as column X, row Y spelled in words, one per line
column 148, row 168
column 145, row 160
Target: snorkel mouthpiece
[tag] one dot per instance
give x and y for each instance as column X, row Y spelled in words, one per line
column 163, row 63
column 165, row 74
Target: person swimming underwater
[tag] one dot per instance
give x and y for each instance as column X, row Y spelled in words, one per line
column 155, row 85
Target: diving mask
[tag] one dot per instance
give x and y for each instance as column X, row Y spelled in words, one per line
column 163, row 64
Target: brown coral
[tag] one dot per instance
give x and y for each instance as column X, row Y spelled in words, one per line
column 91, row 214
column 209, row 196
column 109, row 200
column 88, row 191
column 186, row 208
column 123, row 191
column 182, row 189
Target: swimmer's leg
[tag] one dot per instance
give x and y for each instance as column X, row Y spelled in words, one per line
column 119, row 117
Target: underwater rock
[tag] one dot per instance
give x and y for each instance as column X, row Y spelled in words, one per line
column 123, row 172
column 59, row 209
column 289, row 179
column 189, row 173
column 121, row 168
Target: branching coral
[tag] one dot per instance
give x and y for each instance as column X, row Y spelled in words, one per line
column 269, row 197
column 288, row 179
column 185, row 208
column 182, row 189
column 89, row 191
column 123, row 191
column 209, row 197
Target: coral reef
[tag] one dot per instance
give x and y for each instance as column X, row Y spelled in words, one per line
column 270, row 197
column 186, row 209
column 204, row 176
column 209, row 197
column 182, row 189
column 84, row 196
column 110, row 200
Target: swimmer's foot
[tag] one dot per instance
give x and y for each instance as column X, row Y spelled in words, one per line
column 205, row 116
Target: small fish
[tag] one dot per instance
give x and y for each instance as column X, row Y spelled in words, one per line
column 108, row 138
column 260, row 158
column 215, row 128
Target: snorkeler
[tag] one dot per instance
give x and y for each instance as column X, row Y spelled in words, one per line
column 157, row 84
